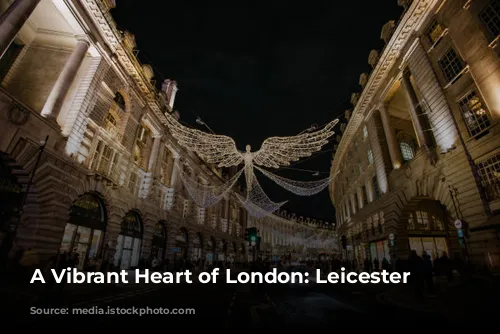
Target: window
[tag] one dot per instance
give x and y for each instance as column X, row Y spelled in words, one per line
column 451, row 65
column 435, row 32
column 105, row 160
column 365, row 132
column 166, row 168
column 376, row 188
column 489, row 170
column 474, row 113
column 120, row 101
column 133, row 182
column 360, row 168
column 356, row 145
column 365, row 195
column 370, row 156
column 490, row 16
column 406, row 151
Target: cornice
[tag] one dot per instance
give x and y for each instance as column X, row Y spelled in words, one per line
column 410, row 23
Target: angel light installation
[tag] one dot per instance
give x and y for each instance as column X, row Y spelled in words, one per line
column 275, row 152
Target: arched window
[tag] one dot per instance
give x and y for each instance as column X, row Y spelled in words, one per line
column 128, row 248
column 115, row 114
column 84, row 231
column 159, row 242
column 120, row 101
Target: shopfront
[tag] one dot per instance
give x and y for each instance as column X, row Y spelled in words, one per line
column 380, row 250
column 427, row 230
column 159, row 242
column 128, row 245
column 211, row 256
column 197, row 247
column 84, row 232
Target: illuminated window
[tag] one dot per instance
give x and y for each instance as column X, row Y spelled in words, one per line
column 105, row 160
column 407, row 151
column 84, row 231
column 435, row 32
column 370, row 156
column 128, row 245
column 490, row 16
column 365, row 132
column 489, row 170
column 451, row 65
column 474, row 113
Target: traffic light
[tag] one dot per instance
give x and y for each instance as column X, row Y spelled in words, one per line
column 344, row 242
column 251, row 236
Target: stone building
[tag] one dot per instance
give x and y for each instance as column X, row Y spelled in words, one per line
column 79, row 109
column 420, row 152
column 286, row 233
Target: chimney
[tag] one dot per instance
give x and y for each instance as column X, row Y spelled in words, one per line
column 169, row 87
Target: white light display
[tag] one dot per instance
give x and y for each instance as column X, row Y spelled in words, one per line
column 275, row 152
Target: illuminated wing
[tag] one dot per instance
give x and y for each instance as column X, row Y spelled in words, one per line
column 281, row 151
column 214, row 149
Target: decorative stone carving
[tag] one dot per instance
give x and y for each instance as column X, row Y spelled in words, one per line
column 129, row 40
column 348, row 114
column 373, row 58
column 148, row 71
column 355, row 99
column 107, row 5
column 363, row 80
column 387, row 31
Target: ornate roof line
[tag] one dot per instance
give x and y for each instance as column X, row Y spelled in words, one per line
column 410, row 22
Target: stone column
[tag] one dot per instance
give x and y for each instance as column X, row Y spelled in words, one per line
column 392, row 143
column 58, row 93
column 424, row 139
column 13, row 20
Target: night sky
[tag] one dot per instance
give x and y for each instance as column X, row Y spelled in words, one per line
column 270, row 68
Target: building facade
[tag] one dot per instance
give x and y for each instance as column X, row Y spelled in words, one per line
column 418, row 163
column 284, row 234
column 83, row 135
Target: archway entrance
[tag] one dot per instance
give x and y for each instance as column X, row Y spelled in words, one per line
column 84, row 232
column 181, row 243
column 197, row 247
column 427, row 229
column 159, row 242
column 128, row 247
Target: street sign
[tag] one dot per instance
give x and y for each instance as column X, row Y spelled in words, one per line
column 176, row 250
column 458, row 224
column 391, row 236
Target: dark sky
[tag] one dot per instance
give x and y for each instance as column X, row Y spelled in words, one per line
column 269, row 68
